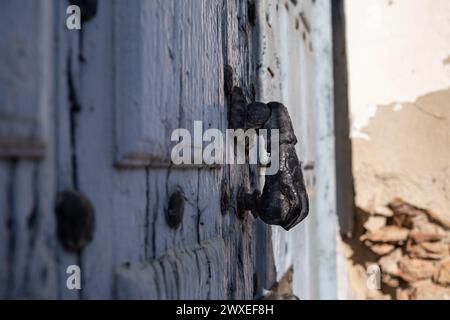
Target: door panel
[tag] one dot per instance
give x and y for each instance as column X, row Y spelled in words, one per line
column 168, row 68
column 165, row 72
column 97, row 108
column 27, row 267
column 25, row 52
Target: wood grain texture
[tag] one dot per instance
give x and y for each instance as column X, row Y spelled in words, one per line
column 286, row 74
column 26, row 133
column 172, row 275
column 179, row 45
column 296, row 69
column 135, row 72
column 4, row 214
column 324, row 226
column 24, row 54
column 67, row 82
column 27, row 267
column 165, row 72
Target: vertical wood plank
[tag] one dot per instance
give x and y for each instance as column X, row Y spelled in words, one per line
column 130, row 205
column 26, row 252
column 238, row 234
column 22, row 212
column 118, row 196
column 4, row 214
column 67, row 83
column 23, row 53
column 326, row 218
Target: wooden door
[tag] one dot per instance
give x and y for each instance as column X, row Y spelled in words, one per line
column 92, row 110
column 140, row 70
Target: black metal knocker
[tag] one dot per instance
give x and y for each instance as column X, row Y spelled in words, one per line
column 284, row 200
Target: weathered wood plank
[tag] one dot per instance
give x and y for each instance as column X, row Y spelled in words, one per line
column 147, row 80
column 238, row 234
column 24, row 53
column 203, row 30
column 286, row 74
column 295, row 52
column 27, row 269
column 175, row 84
column 41, row 274
column 67, row 82
column 4, row 233
column 325, row 218
column 193, row 273
column 22, row 212
column 118, row 196
column 26, row 104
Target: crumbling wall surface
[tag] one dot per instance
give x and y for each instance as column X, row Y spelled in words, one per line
column 409, row 247
column 399, row 76
column 407, row 157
